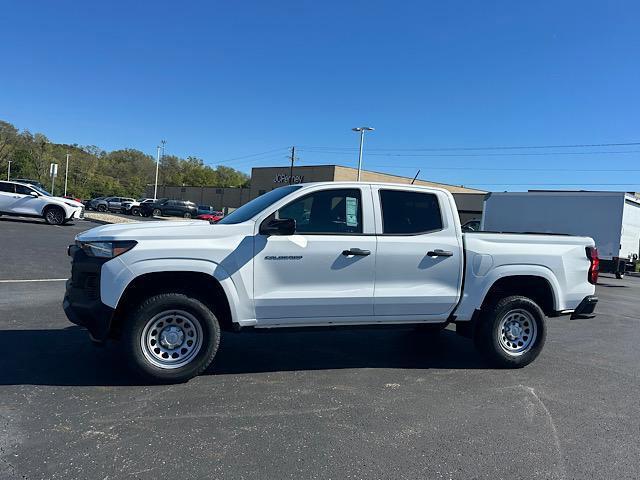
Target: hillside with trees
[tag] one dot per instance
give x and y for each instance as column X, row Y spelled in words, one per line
column 95, row 172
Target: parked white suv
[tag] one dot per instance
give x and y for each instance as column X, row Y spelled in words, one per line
column 323, row 254
column 133, row 207
column 22, row 199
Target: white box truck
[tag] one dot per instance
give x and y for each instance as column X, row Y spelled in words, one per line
column 612, row 219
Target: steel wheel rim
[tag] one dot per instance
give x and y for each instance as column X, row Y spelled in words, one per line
column 171, row 339
column 156, row 212
column 187, row 215
column 54, row 216
column 517, row 332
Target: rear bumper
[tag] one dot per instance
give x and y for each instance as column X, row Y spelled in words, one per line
column 585, row 308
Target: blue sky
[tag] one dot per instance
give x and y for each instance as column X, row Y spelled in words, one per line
column 221, row 80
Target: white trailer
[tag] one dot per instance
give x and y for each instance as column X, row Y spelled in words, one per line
column 612, row 219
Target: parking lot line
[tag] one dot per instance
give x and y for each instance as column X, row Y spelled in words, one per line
column 35, row 280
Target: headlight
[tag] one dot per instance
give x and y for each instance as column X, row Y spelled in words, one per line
column 106, row 249
column 71, row 204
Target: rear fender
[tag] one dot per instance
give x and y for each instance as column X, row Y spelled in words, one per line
column 477, row 287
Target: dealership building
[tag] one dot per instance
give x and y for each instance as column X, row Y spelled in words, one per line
column 264, row 179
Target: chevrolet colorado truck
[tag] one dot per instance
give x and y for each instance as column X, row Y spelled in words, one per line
column 323, row 254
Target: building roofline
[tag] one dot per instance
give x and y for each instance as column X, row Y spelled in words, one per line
column 335, row 165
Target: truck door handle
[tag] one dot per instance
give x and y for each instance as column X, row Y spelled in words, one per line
column 439, row 253
column 357, row 252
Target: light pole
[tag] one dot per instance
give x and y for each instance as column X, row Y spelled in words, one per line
column 155, row 190
column 361, row 130
column 66, row 175
column 9, row 171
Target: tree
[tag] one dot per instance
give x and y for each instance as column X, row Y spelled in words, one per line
column 94, row 172
column 8, row 140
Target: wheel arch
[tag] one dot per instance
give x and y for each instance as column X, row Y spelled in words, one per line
column 536, row 287
column 53, row 205
column 215, row 289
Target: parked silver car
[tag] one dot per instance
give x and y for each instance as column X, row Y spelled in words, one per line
column 112, row 204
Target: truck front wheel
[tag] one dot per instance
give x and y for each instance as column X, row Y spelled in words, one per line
column 512, row 332
column 170, row 338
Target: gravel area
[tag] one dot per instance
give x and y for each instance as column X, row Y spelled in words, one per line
column 100, row 217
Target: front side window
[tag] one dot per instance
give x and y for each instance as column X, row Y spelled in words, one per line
column 257, row 205
column 22, row 190
column 409, row 213
column 326, row 211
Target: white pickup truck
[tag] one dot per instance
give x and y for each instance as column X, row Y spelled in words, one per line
column 323, row 254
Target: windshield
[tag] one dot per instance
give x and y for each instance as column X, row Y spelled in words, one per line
column 41, row 191
column 257, row 205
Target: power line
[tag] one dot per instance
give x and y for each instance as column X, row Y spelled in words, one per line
column 501, row 147
column 438, row 155
column 498, row 169
column 554, row 184
column 252, row 155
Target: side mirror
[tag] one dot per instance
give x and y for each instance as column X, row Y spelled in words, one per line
column 34, row 194
column 285, row 226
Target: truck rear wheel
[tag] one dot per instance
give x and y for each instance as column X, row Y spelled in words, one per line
column 512, row 332
column 171, row 338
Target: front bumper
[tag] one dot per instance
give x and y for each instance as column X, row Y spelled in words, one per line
column 585, row 308
column 82, row 304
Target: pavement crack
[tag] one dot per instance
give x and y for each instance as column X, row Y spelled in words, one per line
column 562, row 471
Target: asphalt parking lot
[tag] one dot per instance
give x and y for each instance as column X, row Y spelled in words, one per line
column 360, row 404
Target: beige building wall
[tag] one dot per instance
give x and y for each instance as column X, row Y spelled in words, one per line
column 218, row 198
column 265, row 179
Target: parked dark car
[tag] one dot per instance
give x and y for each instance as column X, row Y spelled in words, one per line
column 169, row 208
column 30, row 182
column 471, row 226
column 204, row 209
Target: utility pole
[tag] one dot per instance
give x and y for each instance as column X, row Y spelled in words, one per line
column 293, row 157
column 9, row 171
column 66, row 175
column 155, row 190
column 361, row 130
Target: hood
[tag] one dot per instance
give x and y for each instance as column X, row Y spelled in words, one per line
column 165, row 230
column 68, row 201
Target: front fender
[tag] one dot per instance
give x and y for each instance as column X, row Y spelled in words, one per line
column 116, row 276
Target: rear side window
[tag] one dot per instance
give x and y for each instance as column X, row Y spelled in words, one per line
column 6, row 187
column 409, row 213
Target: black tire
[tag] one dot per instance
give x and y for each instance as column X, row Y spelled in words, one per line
column 156, row 212
column 186, row 215
column 54, row 215
column 496, row 345
column 102, row 208
column 142, row 359
column 619, row 275
column 135, row 211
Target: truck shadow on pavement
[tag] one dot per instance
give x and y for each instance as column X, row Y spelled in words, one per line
column 66, row 357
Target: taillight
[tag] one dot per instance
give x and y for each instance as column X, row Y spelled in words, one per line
column 594, row 269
